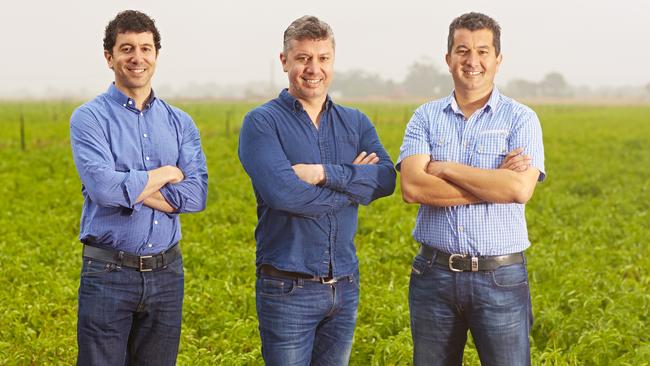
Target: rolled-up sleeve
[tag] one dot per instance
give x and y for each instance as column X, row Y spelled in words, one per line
column 416, row 138
column 189, row 195
column 94, row 161
column 364, row 182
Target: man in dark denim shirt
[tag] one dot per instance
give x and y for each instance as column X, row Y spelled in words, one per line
column 311, row 162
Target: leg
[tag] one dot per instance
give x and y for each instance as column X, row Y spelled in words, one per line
column 289, row 312
column 438, row 328
column 108, row 297
column 333, row 341
column 501, row 316
column 156, row 327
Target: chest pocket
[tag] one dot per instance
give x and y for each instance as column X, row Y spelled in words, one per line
column 347, row 149
column 441, row 148
column 489, row 151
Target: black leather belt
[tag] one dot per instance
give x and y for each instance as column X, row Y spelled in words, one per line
column 269, row 270
column 466, row 263
column 143, row 263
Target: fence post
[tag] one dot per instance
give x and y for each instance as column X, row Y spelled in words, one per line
column 228, row 116
column 22, row 130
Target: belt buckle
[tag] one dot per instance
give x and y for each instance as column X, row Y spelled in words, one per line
column 140, row 263
column 451, row 262
column 331, row 281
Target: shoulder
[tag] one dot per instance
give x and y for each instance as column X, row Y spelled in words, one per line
column 351, row 116
column 516, row 110
column 432, row 108
column 87, row 113
column 175, row 112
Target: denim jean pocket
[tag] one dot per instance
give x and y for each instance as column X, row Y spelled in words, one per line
column 513, row 275
column 92, row 267
column 274, row 287
column 420, row 265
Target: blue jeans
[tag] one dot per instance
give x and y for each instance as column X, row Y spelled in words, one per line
column 128, row 317
column 494, row 305
column 306, row 322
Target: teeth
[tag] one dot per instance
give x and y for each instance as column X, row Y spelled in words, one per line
column 310, row 81
column 473, row 73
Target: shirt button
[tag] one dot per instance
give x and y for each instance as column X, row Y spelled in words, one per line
column 141, row 114
column 131, row 102
column 150, row 245
column 146, row 158
column 124, row 105
column 461, row 228
column 145, row 135
column 155, row 222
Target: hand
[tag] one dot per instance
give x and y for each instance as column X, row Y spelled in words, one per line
column 365, row 158
column 175, row 174
column 310, row 173
column 516, row 161
column 435, row 167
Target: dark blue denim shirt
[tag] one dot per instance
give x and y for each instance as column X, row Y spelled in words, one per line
column 302, row 227
column 114, row 145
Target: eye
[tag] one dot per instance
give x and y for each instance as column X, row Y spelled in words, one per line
column 324, row 58
column 125, row 49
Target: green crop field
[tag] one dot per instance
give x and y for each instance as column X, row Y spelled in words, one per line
column 589, row 262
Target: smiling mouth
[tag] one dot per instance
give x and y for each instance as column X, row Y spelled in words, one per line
column 472, row 73
column 312, row 81
column 137, row 71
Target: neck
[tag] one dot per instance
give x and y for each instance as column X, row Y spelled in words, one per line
column 139, row 95
column 313, row 107
column 470, row 101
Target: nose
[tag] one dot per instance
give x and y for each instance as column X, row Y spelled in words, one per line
column 312, row 66
column 472, row 58
column 137, row 56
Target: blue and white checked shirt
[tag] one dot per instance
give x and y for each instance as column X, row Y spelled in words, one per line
column 114, row 145
column 439, row 128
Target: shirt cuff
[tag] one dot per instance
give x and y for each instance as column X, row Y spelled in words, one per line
column 134, row 184
column 335, row 177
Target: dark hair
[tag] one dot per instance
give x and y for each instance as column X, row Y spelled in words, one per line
column 130, row 21
column 472, row 22
column 307, row 27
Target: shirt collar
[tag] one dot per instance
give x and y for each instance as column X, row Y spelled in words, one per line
column 451, row 104
column 294, row 104
column 125, row 101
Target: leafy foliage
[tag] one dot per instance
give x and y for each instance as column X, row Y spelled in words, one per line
column 588, row 264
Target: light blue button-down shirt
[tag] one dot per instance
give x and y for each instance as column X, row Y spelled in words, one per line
column 439, row 128
column 114, row 145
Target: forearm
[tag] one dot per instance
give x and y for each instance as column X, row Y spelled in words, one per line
column 156, row 201
column 364, row 182
column 434, row 191
column 157, row 178
column 490, row 185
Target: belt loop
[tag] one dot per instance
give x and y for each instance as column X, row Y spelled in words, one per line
column 300, row 282
column 120, row 257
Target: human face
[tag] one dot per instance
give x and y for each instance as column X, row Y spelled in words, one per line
column 133, row 59
column 473, row 61
column 309, row 64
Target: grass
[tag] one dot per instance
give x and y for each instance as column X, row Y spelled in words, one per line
column 588, row 222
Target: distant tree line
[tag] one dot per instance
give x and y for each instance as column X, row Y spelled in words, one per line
column 425, row 80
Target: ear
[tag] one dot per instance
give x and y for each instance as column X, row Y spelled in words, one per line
column 283, row 60
column 499, row 59
column 448, row 61
column 109, row 59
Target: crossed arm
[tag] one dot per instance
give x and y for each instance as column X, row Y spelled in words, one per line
column 130, row 189
column 444, row 183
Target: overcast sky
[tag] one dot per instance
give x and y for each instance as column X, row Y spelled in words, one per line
column 58, row 44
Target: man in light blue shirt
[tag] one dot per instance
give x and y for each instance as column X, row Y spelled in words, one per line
column 141, row 164
column 471, row 160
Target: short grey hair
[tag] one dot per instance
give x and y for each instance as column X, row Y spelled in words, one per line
column 307, row 27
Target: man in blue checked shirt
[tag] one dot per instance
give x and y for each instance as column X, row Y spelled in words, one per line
column 471, row 160
column 311, row 162
column 141, row 164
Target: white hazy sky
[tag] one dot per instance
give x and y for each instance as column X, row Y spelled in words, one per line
column 58, row 44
